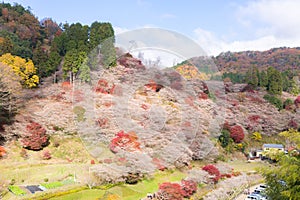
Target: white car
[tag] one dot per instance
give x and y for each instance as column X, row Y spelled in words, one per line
column 253, row 197
column 258, row 190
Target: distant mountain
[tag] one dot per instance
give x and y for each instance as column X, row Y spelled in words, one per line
column 280, row 58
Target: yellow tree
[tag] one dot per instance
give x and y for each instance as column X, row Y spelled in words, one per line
column 23, row 68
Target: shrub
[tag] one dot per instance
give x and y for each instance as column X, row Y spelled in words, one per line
column 24, row 154
column 125, row 141
column 297, row 102
column 203, row 95
column 287, row 104
column 237, row 133
column 46, row 155
column 188, row 187
column 36, row 137
column 213, row 170
column 2, row 151
column 224, row 138
column 171, row 191
column 256, row 136
column 274, row 100
column 293, row 124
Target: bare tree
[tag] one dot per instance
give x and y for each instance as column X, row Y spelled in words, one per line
column 10, row 94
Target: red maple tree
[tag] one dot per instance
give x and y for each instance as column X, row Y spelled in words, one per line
column 188, row 187
column 237, row 133
column 171, row 190
column 213, row 170
column 35, row 137
column 126, row 141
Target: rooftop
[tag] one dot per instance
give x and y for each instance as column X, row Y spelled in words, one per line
column 278, row 146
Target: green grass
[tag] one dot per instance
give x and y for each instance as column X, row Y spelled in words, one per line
column 244, row 166
column 85, row 194
column 16, row 190
column 126, row 191
column 52, row 185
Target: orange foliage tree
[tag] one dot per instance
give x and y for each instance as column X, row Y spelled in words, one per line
column 125, row 141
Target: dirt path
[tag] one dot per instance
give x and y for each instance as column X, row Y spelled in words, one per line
column 243, row 196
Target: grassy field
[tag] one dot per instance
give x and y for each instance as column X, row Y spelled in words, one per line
column 244, row 166
column 126, row 191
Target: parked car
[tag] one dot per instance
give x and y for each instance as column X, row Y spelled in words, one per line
column 263, row 186
column 258, row 190
column 253, row 197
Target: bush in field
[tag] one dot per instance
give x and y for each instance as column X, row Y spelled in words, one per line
column 125, row 141
column 297, row 102
column 188, row 187
column 224, row 138
column 2, row 151
column 293, row 124
column 256, row 136
column 170, row 191
column 237, row 133
column 212, row 170
column 288, row 104
column 23, row 154
column 274, row 100
column 46, row 155
column 35, row 137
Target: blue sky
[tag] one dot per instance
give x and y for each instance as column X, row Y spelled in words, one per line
column 216, row 25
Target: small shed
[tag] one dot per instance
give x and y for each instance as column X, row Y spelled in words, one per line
column 272, row 147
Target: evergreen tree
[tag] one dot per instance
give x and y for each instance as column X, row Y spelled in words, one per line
column 252, row 77
column 263, row 81
column 72, row 62
column 274, row 81
column 85, row 72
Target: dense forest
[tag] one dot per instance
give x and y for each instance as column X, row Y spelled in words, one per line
column 45, row 42
column 31, row 50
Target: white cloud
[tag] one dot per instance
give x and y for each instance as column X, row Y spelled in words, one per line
column 277, row 17
column 270, row 23
column 213, row 45
column 119, row 30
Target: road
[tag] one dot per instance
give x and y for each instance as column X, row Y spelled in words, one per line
column 243, row 196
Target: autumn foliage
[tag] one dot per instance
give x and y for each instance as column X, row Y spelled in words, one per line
column 237, row 133
column 177, row 191
column 125, row 141
column 2, row 151
column 104, row 87
column 22, row 68
column 297, row 102
column 171, row 191
column 191, row 72
column 154, row 86
column 213, row 170
column 46, row 155
column 35, row 137
column 188, row 187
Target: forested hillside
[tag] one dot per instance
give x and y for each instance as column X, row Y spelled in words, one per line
column 46, row 43
column 280, row 58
